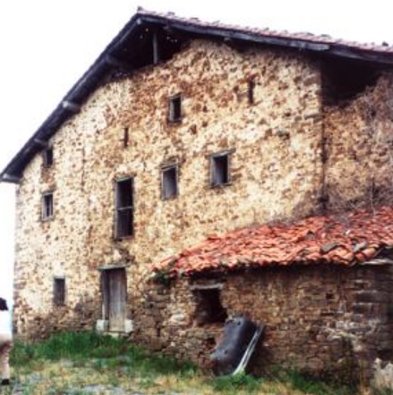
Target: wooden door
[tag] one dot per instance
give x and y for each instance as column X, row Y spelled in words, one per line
column 115, row 298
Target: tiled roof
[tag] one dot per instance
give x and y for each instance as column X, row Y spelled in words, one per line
column 266, row 32
column 345, row 239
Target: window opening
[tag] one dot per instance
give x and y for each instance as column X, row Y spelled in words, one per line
column 48, row 157
column 175, row 113
column 126, row 137
column 169, row 182
column 59, row 291
column 220, row 169
column 47, row 205
column 124, row 208
column 250, row 91
column 209, row 309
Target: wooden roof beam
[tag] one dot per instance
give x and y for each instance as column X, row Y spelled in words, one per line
column 40, row 143
column 156, row 48
column 71, row 106
column 114, row 62
column 10, row 178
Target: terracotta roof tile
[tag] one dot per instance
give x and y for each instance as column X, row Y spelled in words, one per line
column 344, row 239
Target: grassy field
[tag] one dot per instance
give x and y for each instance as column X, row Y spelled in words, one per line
column 85, row 363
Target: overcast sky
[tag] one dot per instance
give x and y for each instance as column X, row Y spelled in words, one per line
column 47, row 45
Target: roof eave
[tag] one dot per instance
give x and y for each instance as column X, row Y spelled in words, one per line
column 335, row 49
column 14, row 170
column 5, row 177
column 90, row 80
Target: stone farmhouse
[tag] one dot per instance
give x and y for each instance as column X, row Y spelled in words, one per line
column 198, row 171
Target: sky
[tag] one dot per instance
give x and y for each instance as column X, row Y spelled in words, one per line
column 46, row 45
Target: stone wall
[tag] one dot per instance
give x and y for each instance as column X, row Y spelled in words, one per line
column 326, row 321
column 359, row 148
column 278, row 171
column 275, row 143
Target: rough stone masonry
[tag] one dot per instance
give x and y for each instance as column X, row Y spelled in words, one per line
column 292, row 154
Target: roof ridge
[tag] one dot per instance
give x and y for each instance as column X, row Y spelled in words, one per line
column 307, row 36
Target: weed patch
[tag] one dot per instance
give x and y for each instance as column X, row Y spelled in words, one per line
column 69, row 345
column 238, row 382
column 81, row 363
column 312, row 386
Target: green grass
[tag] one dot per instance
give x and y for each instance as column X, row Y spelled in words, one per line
column 312, row 386
column 238, row 382
column 105, row 351
column 68, row 345
column 384, row 392
column 74, row 360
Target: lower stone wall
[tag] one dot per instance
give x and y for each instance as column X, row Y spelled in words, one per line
column 38, row 325
column 324, row 321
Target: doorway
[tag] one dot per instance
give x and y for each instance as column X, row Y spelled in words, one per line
column 114, row 292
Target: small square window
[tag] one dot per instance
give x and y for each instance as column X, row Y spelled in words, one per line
column 220, row 169
column 175, row 110
column 47, row 157
column 59, row 291
column 208, row 306
column 124, row 208
column 169, row 188
column 47, row 205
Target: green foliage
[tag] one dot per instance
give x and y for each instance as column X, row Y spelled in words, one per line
column 383, row 391
column 118, row 358
column 235, row 383
column 312, row 386
column 158, row 364
column 105, row 351
column 73, row 345
column 22, row 354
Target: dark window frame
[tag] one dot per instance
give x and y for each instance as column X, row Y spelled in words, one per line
column 121, row 209
column 47, row 157
column 175, row 108
column 217, row 161
column 165, row 170
column 47, row 206
column 59, row 291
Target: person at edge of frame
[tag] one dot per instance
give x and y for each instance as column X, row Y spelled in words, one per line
column 5, row 341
